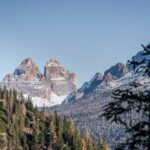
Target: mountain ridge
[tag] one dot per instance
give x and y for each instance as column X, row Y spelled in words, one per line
column 56, row 81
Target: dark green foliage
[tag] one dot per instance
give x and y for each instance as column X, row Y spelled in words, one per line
column 131, row 108
column 23, row 127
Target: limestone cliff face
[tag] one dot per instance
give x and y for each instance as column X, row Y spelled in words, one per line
column 28, row 79
column 53, row 69
column 28, row 68
column 62, row 81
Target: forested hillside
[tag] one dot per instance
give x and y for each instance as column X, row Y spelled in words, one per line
column 23, row 127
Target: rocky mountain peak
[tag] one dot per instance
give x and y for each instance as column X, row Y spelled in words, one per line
column 53, row 62
column 117, row 71
column 63, row 81
column 97, row 77
column 55, row 71
column 27, row 68
column 27, row 62
column 92, row 84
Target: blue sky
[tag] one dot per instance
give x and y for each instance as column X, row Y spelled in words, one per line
column 86, row 36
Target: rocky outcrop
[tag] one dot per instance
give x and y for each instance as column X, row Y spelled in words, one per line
column 92, row 84
column 107, row 79
column 28, row 79
column 62, row 81
column 53, row 70
column 28, row 68
column 117, row 71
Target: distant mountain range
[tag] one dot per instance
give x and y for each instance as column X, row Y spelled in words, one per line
column 46, row 89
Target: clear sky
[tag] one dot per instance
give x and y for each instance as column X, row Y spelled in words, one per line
column 86, row 36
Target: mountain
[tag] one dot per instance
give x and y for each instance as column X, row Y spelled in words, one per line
column 112, row 74
column 46, row 89
column 85, row 105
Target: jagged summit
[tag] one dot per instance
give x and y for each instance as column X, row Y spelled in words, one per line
column 54, row 71
column 53, row 62
column 97, row 77
column 117, row 71
column 45, row 89
column 27, row 68
column 92, row 84
column 28, row 62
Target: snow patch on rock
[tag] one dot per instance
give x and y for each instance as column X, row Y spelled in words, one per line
column 57, row 100
column 42, row 102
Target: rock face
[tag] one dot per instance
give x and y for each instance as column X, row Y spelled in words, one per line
column 28, row 68
column 92, row 84
column 28, row 79
column 117, row 71
column 62, row 81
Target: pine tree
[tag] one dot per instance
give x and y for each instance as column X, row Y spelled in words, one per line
column 131, row 108
column 77, row 143
column 102, row 145
column 83, row 144
column 88, row 141
column 34, row 140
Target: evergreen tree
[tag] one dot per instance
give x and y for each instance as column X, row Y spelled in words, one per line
column 83, row 144
column 22, row 126
column 102, row 145
column 88, row 141
column 131, row 108
column 34, row 140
